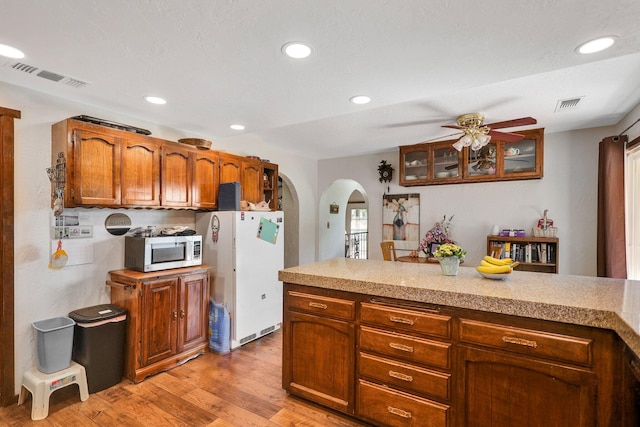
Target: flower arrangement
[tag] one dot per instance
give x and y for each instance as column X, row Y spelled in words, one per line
column 450, row 250
column 438, row 235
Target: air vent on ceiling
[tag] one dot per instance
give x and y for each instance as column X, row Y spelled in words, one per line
column 568, row 104
column 49, row 75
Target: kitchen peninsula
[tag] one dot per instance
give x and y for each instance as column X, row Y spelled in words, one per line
column 398, row 343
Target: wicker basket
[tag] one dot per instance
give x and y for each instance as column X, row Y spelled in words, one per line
column 196, row 142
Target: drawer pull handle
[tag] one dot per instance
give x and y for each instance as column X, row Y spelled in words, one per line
column 396, row 319
column 401, row 347
column 401, row 376
column 399, row 412
column 318, row 305
column 520, row 341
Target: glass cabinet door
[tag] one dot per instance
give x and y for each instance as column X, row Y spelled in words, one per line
column 414, row 167
column 520, row 157
column 445, row 162
column 483, row 162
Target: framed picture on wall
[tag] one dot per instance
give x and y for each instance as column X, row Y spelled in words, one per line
column 401, row 220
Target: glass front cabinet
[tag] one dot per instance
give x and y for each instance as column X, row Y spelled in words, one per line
column 439, row 163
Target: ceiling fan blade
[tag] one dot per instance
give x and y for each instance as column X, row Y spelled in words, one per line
column 523, row 121
column 506, row 136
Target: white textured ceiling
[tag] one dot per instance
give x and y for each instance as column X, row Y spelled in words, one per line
column 424, row 62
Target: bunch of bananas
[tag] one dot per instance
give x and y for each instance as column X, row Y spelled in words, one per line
column 491, row 265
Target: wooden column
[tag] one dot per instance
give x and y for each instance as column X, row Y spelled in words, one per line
column 7, row 362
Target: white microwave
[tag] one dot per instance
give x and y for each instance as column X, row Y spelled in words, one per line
column 162, row 252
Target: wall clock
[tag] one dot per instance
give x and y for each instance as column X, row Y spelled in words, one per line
column 386, row 171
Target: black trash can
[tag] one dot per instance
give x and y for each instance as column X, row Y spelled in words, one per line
column 98, row 344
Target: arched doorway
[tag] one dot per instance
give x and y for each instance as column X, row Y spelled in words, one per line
column 290, row 205
column 332, row 218
column 356, row 227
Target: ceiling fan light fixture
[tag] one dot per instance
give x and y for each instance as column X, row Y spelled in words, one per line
column 596, row 45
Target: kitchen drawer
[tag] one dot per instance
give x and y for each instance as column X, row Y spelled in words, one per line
column 562, row 348
column 413, row 349
column 389, row 407
column 409, row 377
column 326, row 306
column 406, row 320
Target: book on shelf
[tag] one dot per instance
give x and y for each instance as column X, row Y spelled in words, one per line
column 543, row 253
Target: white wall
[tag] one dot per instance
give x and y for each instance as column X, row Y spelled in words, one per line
column 41, row 293
column 568, row 189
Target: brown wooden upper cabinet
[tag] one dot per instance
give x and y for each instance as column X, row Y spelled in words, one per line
column 270, row 184
column 246, row 171
column 439, row 163
column 107, row 167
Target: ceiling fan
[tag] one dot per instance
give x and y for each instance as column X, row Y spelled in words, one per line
column 477, row 134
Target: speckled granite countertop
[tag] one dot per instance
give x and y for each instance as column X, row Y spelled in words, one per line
column 581, row 300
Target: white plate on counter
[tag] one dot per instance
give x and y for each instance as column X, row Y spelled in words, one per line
column 495, row 276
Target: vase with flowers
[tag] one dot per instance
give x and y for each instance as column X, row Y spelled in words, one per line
column 449, row 256
column 437, row 235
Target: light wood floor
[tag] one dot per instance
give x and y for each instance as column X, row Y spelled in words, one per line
column 242, row 388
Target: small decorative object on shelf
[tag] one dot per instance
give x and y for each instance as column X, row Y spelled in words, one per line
column 449, row 256
column 436, row 236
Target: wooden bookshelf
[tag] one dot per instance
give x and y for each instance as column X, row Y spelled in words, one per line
column 541, row 261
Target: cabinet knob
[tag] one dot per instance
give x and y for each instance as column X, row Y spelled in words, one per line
column 175, row 315
column 182, row 314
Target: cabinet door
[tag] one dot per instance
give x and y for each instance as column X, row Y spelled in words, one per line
column 176, row 176
column 193, row 313
column 206, row 171
column 96, row 178
column 481, row 165
column 414, row 168
column 318, row 360
column 523, row 159
column 140, row 172
column 270, row 185
column 230, row 169
column 505, row 390
column 159, row 320
column 251, row 179
column 447, row 163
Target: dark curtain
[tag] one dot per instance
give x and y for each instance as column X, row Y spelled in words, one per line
column 612, row 260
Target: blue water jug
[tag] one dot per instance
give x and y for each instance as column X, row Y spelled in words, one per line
column 219, row 327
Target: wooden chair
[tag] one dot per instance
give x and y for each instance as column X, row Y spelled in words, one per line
column 495, row 251
column 388, row 251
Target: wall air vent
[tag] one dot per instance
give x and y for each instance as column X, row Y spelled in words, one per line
column 568, row 104
column 49, row 75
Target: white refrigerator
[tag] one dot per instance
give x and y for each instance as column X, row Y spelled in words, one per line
column 246, row 250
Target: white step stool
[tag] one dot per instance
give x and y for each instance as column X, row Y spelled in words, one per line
column 41, row 386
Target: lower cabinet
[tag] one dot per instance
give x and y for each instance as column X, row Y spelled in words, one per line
column 167, row 317
column 398, row 363
column 319, row 338
column 506, row 390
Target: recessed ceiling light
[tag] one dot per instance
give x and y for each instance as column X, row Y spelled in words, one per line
column 296, row 50
column 236, row 127
column 155, row 100
column 11, row 52
column 596, row 45
column 360, row 99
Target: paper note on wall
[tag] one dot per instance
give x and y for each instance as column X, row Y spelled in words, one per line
column 268, row 231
